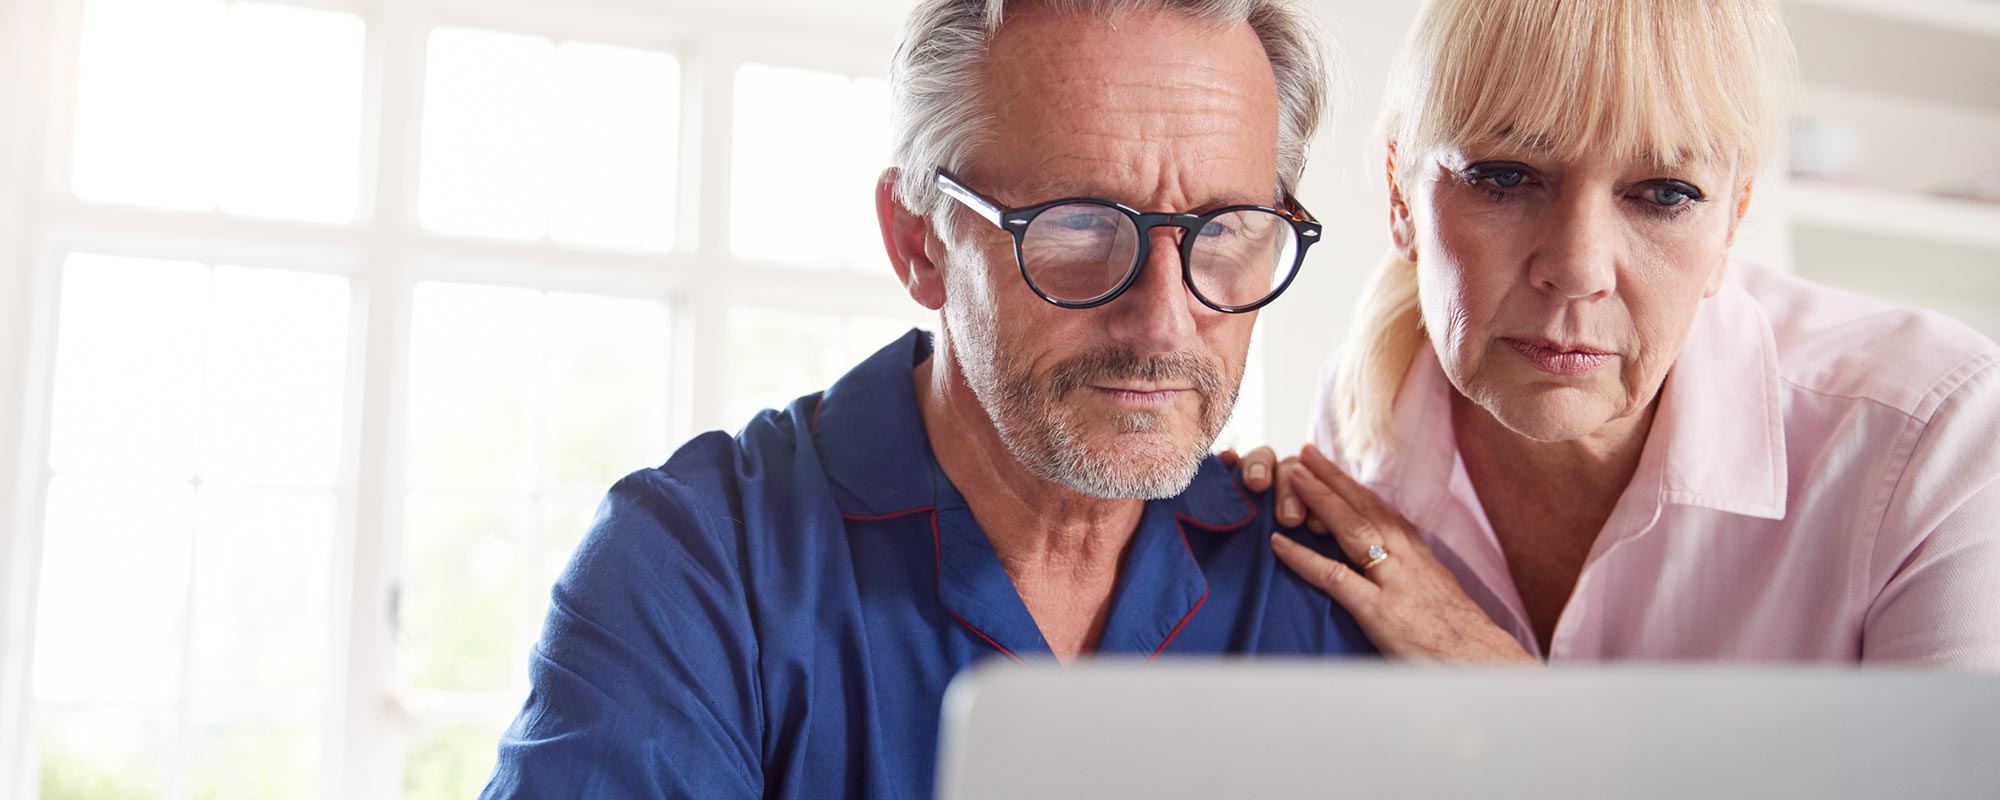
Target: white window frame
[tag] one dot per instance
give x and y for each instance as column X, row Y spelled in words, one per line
column 384, row 253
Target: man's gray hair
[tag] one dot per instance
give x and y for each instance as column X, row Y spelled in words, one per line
column 940, row 114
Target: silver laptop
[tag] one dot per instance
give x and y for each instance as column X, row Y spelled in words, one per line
column 1236, row 729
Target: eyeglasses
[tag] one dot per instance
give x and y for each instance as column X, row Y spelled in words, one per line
column 1082, row 252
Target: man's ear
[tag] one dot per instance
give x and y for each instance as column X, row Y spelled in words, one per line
column 1402, row 230
column 907, row 237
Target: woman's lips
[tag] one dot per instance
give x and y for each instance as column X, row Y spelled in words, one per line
column 1557, row 359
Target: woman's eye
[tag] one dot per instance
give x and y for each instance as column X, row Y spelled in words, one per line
column 1670, row 195
column 1506, row 178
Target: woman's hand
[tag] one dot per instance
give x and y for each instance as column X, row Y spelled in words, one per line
column 1261, row 471
column 1409, row 604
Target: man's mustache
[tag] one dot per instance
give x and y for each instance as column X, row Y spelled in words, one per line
column 1125, row 365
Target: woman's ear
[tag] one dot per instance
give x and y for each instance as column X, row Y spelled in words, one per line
column 906, row 235
column 1736, row 216
column 1402, row 231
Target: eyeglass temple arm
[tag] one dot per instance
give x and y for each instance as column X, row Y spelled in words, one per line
column 1299, row 212
column 985, row 208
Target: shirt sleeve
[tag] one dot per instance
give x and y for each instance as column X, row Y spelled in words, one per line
column 643, row 683
column 1940, row 542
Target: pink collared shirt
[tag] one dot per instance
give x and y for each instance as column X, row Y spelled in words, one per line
column 1821, row 483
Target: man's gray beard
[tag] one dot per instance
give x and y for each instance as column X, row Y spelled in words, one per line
column 1027, row 417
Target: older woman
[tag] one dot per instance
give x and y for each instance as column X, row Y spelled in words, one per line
column 1577, row 431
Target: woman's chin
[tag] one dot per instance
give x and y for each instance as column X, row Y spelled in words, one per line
column 1551, row 416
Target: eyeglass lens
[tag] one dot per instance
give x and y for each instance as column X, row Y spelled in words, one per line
column 1079, row 252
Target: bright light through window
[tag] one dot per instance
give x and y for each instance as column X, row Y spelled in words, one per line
column 184, row 105
column 781, row 355
column 525, row 139
column 524, row 408
column 808, row 147
column 195, row 438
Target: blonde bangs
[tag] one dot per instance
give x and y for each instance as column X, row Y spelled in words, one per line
column 1654, row 80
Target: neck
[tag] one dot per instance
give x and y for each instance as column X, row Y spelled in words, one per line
column 1597, row 466
column 1032, row 522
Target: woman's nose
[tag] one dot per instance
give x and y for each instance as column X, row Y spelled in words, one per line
column 1580, row 251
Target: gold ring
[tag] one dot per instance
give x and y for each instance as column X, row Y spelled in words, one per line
column 1376, row 555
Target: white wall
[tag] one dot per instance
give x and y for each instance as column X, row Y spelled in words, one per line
column 1344, row 187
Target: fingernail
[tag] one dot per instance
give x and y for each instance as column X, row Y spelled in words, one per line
column 1291, row 509
column 1257, row 472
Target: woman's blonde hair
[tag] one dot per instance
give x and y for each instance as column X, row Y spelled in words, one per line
column 1660, row 80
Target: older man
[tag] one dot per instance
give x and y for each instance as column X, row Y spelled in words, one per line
column 777, row 614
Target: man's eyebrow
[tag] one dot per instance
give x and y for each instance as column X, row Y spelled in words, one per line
column 1052, row 190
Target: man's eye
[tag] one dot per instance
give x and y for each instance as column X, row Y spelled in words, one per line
column 1214, row 228
column 1079, row 222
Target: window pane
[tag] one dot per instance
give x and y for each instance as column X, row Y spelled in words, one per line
column 808, row 146
column 607, row 387
column 114, row 586
column 452, row 763
column 775, row 356
column 242, row 762
column 147, row 102
column 461, row 592
column 487, row 151
column 128, row 365
column 277, row 361
column 107, row 753
column 292, row 116
column 524, row 138
column 617, row 116
column 475, row 371
column 181, row 104
column 261, row 611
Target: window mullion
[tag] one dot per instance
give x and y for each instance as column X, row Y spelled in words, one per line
column 374, row 730
column 26, row 310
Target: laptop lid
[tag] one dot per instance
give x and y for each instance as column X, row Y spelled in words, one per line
column 1214, row 729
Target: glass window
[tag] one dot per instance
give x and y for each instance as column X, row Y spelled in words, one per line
column 525, row 407
column 526, row 139
column 808, row 148
column 184, row 105
column 777, row 355
column 185, row 611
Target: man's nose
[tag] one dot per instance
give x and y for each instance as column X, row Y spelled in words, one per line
column 1580, row 250
column 1157, row 314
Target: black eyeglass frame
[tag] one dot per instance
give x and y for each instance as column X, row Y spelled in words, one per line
column 1015, row 221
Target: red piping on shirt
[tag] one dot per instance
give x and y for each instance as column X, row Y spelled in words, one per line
column 1250, row 513
column 937, row 545
column 1204, row 586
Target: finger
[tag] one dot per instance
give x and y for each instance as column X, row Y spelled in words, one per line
column 1356, row 496
column 1291, row 513
column 1354, row 531
column 1258, row 467
column 1227, row 457
column 1340, row 582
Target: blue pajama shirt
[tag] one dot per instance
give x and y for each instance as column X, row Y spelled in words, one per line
column 776, row 614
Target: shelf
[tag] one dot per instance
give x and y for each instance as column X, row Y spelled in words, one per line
column 1907, row 215
column 1966, row 16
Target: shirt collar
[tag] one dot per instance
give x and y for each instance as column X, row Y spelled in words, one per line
column 1720, row 413
column 870, row 435
column 1718, row 438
